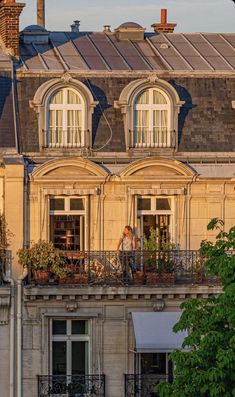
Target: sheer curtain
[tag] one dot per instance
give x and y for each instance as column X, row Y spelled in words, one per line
column 66, row 111
column 151, row 115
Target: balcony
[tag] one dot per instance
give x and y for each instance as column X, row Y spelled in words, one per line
column 142, row 385
column 71, row 386
column 72, row 137
column 142, row 268
column 159, row 137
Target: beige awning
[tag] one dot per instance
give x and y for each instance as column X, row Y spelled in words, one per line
column 157, row 192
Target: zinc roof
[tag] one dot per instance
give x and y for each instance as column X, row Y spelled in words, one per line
column 85, row 51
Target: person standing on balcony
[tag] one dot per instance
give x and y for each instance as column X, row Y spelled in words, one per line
column 126, row 247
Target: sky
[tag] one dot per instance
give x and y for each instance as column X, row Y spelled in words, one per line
column 190, row 15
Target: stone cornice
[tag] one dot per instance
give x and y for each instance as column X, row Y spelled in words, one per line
column 59, row 293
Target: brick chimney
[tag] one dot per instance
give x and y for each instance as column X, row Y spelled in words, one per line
column 41, row 13
column 164, row 26
column 9, row 25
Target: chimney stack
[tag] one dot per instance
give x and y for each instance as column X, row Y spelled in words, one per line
column 9, row 25
column 41, row 13
column 164, row 27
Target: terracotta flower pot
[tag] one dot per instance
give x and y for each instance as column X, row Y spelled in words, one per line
column 151, row 278
column 41, row 276
column 138, row 278
column 163, row 278
column 80, row 278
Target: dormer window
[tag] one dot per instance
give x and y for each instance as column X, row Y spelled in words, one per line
column 64, row 106
column 150, row 109
column 66, row 119
column 152, row 119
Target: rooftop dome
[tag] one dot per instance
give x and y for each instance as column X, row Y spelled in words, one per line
column 131, row 25
column 34, row 28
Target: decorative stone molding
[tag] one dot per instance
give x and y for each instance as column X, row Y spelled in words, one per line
column 159, row 305
column 4, row 309
column 71, row 307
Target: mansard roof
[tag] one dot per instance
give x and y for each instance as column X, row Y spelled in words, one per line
column 102, row 51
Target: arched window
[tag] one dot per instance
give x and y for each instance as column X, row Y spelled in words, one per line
column 65, row 125
column 152, row 119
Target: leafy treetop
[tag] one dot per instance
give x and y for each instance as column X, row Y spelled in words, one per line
column 205, row 366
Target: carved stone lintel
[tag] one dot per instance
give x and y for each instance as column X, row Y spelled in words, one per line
column 4, row 309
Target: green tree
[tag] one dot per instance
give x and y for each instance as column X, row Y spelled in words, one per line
column 205, row 366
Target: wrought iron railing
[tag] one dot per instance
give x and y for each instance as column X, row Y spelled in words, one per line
column 73, row 137
column 71, row 386
column 5, row 264
column 125, row 268
column 142, row 385
column 159, row 137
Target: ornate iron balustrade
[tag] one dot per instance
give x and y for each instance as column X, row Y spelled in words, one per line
column 71, row 386
column 72, row 137
column 137, row 268
column 159, row 137
column 142, row 385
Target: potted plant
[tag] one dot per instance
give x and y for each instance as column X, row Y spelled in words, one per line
column 159, row 263
column 80, row 276
column 42, row 259
column 198, row 270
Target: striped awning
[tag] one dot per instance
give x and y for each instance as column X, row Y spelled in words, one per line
column 157, row 192
column 70, row 192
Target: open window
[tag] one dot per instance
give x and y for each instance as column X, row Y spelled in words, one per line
column 155, row 212
column 67, row 222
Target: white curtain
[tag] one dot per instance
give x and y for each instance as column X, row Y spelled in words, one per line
column 72, row 98
column 143, row 98
column 57, row 98
column 56, row 127
column 158, row 98
column 74, row 118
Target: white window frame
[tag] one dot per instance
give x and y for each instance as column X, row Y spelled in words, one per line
column 67, row 211
column 155, row 212
column 69, row 338
column 65, row 107
column 149, row 134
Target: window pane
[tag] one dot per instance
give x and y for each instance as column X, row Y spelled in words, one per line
column 79, row 358
column 158, row 98
column 57, row 204
column 79, row 327
column 57, row 97
column 143, row 98
column 73, row 98
column 66, row 232
column 76, row 204
column 59, row 358
column 153, row 363
column 144, row 204
column 163, row 204
column 59, row 327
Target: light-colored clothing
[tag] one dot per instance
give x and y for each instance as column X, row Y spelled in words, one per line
column 126, row 243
